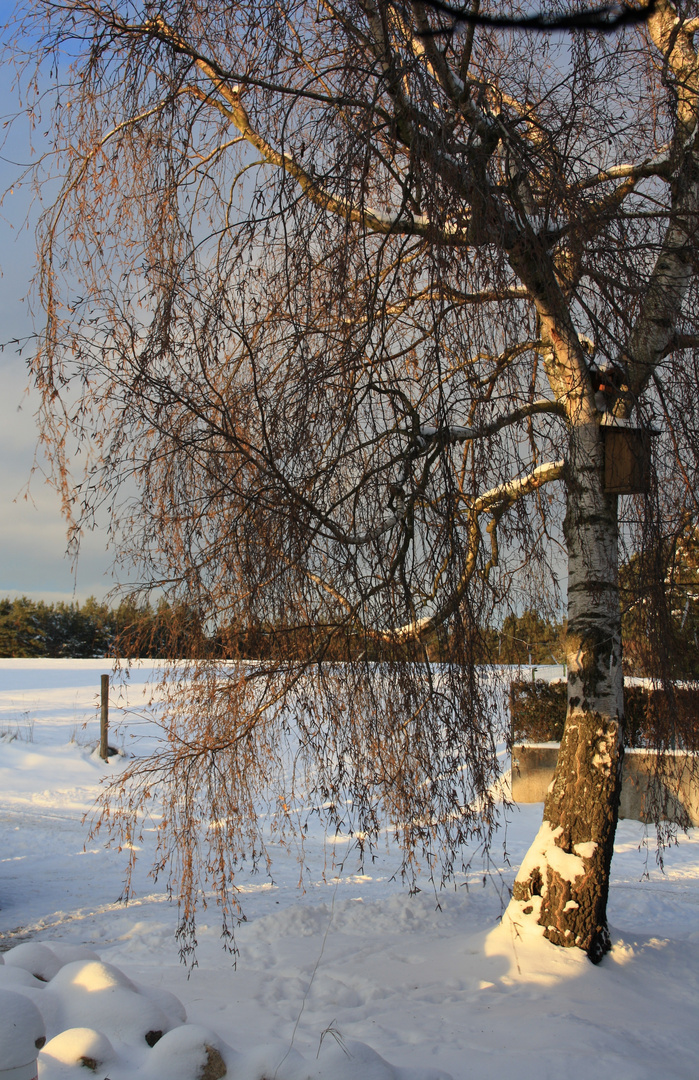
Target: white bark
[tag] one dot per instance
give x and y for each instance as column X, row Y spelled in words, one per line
column 581, row 808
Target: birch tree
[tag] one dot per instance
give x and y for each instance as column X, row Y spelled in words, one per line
column 354, row 290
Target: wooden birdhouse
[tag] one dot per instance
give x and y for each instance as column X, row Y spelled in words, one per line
column 626, row 459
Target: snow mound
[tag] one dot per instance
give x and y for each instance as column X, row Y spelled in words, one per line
column 101, row 1021
column 100, row 996
column 190, row 1052
column 82, row 1046
column 66, row 954
column 93, row 1015
column 91, row 976
column 39, row 960
column 16, row 978
column 22, row 1030
column 165, row 1001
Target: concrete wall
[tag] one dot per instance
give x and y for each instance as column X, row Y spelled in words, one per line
column 674, row 790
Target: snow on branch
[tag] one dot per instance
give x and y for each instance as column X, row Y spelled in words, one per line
column 358, row 539
column 495, row 501
column 659, row 165
column 508, row 493
column 457, row 433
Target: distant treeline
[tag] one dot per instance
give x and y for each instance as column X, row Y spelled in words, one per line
column 33, row 628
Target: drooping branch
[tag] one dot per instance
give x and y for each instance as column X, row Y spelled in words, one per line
column 370, row 218
column 495, row 501
column 427, row 439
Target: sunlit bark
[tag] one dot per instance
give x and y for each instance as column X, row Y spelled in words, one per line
column 565, row 876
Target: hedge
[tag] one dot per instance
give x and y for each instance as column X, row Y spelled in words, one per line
column 538, row 710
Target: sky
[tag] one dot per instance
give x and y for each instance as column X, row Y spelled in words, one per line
column 33, row 559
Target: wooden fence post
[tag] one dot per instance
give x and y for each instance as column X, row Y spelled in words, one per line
column 104, row 717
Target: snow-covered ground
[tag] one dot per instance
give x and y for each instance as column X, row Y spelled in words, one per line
column 351, row 980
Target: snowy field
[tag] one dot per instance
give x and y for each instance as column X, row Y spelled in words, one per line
column 353, row 979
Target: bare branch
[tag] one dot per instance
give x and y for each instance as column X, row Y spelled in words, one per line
column 456, row 433
column 498, row 499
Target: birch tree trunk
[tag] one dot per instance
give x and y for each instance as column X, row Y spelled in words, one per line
column 564, row 879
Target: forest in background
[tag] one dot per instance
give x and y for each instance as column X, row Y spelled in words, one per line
column 34, row 628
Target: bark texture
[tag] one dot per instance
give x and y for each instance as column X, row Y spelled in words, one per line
column 564, row 879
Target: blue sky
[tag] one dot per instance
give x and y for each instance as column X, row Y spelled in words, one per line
column 32, row 531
